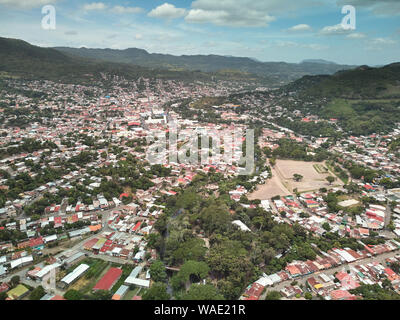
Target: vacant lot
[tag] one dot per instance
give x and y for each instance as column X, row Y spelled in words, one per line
column 273, row 187
column 312, row 180
column 282, row 182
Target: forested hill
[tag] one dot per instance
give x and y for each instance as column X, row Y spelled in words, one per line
column 21, row 59
column 361, row 83
column 365, row 100
column 281, row 72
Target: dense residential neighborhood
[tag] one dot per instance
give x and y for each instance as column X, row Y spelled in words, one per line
column 200, row 158
column 82, row 203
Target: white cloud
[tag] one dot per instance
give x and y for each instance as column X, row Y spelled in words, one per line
column 382, row 41
column 71, row 33
column 356, row 35
column 379, row 44
column 243, row 13
column 125, row 10
column 26, row 4
column 299, row 28
column 292, row 44
column 94, row 6
column 334, row 30
column 378, row 7
column 225, row 18
column 167, row 11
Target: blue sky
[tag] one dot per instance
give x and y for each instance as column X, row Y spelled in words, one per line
column 268, row 30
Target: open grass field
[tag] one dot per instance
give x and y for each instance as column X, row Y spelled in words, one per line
column 282, row 182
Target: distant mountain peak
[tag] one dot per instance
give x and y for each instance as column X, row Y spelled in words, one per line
column 320, row 61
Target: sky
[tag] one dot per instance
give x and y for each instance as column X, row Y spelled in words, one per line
column 267, row 30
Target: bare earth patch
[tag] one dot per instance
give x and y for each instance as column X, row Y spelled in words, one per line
column 273, row 187
column 282, row 182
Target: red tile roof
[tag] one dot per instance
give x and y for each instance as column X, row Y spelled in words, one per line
column 109, row 279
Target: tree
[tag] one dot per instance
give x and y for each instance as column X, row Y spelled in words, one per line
column 73, row 295
column 198, row 270
column 14, row 281
column 308, row 296
column 157, row 271
column 215, row 217
column 180, row 251
column 330, row 179
column 273, row 295
column 158, row 291
column 391, row 226
column 202, row 292
column 297, row 177
column 3, row 296
column 37, row 293
column 375, row 292
column 229, row 260
column 154, row 241
column 326, row 226
column 102, row 295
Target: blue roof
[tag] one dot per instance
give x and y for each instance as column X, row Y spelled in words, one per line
column 135, row 272
column 122, row 290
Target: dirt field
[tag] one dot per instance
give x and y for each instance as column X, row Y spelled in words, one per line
column 273, row 187
column 283, row 183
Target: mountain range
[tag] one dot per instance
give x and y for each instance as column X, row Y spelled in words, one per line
column 281, row 72
column 313, row 77
column 21, row 59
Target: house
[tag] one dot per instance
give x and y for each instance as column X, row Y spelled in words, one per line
column 139, row 256
column 49, row 239
column 4, row 287
column 347, row 281
column 291, row 291
column 293, row 270
column 254, row 292
column 341, row 295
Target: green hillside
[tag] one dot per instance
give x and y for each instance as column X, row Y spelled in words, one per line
column 365, row 100
column 21, row 59
column 280, row 72
column 361, row 83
